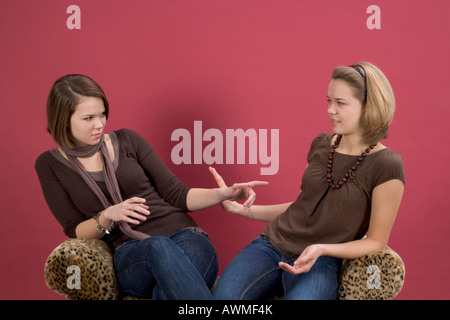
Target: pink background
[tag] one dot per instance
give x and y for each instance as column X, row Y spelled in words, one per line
column 230, row 64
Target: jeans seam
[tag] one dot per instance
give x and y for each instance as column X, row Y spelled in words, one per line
column 211, row 262
column 254, row 282
column 211, row 247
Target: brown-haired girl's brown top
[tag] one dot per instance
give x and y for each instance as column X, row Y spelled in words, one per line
column 140, row 172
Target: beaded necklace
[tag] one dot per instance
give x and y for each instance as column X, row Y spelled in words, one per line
column 349, row 171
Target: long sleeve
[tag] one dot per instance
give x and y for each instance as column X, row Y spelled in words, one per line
column 166, row 183
column 56, row 194
column 140, row 173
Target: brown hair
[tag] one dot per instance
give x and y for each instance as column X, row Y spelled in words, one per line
column 375, row 94
column 62, row 103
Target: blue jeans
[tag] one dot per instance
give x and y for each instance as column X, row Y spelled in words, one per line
column 254, row 274
column 182, row 265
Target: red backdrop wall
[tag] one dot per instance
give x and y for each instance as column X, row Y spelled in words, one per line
column 230, row 64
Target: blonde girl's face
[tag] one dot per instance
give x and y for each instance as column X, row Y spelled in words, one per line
column 344, row 109
column 88, row 121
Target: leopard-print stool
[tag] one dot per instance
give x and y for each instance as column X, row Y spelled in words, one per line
column 379, row 275
column 82, row 269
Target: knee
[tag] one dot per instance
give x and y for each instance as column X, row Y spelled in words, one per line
column 320, row 283
column 222, row 291
column 158, row 248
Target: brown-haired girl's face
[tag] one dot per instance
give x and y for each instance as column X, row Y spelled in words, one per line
column 344, row 109
column 88, row 121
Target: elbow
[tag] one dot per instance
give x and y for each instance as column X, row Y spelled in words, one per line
column 381, row 245
column 377, row 244
column 71, row 232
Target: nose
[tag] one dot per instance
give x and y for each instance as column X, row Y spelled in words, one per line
column 99, row 123
column 331, row 108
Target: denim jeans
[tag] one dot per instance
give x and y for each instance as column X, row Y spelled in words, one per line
column 182, row 265
column 254, row 274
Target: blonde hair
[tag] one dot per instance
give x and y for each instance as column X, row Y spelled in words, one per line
column 375, row 94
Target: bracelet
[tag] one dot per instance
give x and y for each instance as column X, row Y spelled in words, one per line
column 101, row 229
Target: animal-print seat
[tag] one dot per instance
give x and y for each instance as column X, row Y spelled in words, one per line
column 82, row 269
column 379, row 275
column 97, row 278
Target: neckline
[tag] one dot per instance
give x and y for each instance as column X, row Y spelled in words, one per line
column 97, row 175
column 352, row 155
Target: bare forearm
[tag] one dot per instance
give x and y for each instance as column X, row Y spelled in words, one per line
column 198, row 199
column 88, row 229
column 264, row 212
column 352, row 249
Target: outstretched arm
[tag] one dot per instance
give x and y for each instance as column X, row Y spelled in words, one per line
column 198, row 198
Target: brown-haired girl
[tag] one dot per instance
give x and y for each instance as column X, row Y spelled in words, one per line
column 115, row 187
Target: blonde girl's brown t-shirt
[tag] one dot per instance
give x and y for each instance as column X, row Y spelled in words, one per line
column 323, row 215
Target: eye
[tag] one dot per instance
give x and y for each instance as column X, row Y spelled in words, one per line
column 88, row 119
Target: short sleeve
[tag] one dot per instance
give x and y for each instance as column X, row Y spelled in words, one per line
column 319, row 142
column 391, row 167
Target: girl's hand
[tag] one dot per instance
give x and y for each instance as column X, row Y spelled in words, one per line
column 132, row 210
column 240, row 191
column 304, row 262
column 237, row 191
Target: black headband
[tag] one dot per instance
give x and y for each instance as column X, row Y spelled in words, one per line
column 360, row 71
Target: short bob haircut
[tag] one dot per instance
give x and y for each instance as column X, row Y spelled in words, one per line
column 62, row 102
column 376, row 96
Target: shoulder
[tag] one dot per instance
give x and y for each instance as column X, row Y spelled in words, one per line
column 319, row 145
column 389, row 157
column 43, row 160
column 388, row 165
column 132, row 141
column 322, row 139
column 47, row 165
column 129, row 137
column 125, row 133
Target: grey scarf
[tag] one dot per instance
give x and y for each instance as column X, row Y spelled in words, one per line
column 109, row 177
